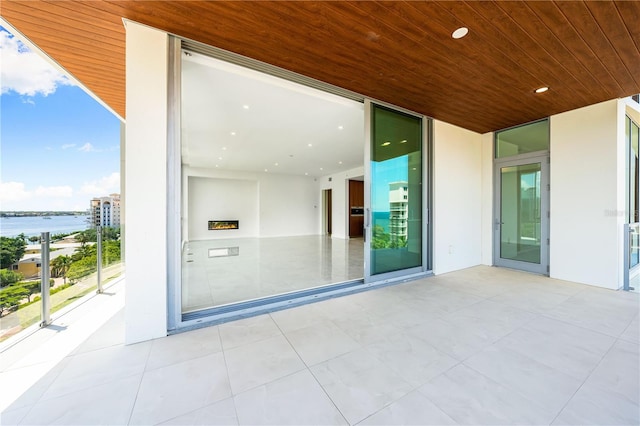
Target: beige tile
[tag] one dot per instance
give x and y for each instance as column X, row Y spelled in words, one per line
column 104, row 404
column 595, row 406
column 411, row 358
column 297, row 399
column 177, row 389
column 98, row 367
column 471, row 398
column 258, row 363
column 359, row 384
column 320, row 342
column 412, row 409
column 549, row 387
column 299, row 317
column 217, row 414
column 171, row 349
column 249, row 330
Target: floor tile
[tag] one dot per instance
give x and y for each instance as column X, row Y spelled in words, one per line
column 537, row 382
column 221, row 413
column 105, row 404
column 632, row 333
column 100, row 366
column 297, row 318
column 170, row 350
column 619, row 371
column 573, row 350
column 411, row 358
column 532, row 299
column 412, row 409
column 594, row 406
column 471, row 398
column 458, row 342
column 297, row 399
column 13, row 417
column 359, row 384
column 249, row 330
column 320, row 342
column 261, row 362
column 110, row 334
column 178, row 389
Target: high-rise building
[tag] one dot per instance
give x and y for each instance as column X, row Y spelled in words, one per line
column 105, row 211
column 398, row 210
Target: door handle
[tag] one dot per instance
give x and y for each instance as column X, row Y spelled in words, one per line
column 497, row 224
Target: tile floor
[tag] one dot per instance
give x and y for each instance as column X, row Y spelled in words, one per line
column 265, row 267
column 482, row 346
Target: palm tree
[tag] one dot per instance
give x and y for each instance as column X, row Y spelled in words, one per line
column 60, row 266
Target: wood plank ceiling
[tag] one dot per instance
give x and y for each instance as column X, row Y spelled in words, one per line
column 400, row 52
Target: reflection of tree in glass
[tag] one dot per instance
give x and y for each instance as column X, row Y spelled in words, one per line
column 383, row 240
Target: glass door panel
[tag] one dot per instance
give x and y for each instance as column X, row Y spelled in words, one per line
column 520, row 213
column 522, row 223
column 396, row 192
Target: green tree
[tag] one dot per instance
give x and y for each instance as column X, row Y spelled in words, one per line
column 10, row 298
column 32, row 287
column 34, row 239
column 60, row 266
column 11, row 250
column 82, row 267
column 8, row 277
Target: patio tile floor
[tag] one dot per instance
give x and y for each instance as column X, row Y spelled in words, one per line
column 478, row 346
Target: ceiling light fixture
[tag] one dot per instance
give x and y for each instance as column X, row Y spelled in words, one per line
column 460, row 32
column 266, row 170
column 219, row 158
column 310, row 145
column 306, row 174
column 541, row 89
column 340, row 127
column 386, row 143
column 339, row 162
column 321, row 168
column 245, row 106
column 233, row 133
column 275, row 164
column 224, row 148
column 403, row 141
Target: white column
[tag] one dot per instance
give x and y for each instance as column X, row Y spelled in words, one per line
column 146, row 188
column 587, row 194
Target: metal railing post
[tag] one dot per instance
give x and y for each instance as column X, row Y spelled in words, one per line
column 44, row 279
column 99, row 256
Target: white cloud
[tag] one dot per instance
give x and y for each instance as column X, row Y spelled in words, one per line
column 68, row 145
column 87, row 147
column 104, row 186
column 24, row 71
column 54, row 191
column 13, row 191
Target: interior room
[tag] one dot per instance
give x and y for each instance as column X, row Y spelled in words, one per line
column 272, row 185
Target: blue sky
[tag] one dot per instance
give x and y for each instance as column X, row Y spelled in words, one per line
column 58, row 146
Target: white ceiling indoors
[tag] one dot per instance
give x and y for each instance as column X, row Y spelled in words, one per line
column 234, row 118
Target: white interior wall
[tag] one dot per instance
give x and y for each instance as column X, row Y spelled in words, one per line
column 145, row 158
column 457, row 198
column 222, row 199
column 285, row 205
column 587, row 195
column 339, row 185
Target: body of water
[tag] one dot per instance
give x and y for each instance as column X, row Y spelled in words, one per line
column 381, row 219
column 34, row 225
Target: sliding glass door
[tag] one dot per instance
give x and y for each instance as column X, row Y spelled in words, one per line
column 394, row 223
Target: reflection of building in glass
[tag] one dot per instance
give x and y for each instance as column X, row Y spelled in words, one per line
column 398, row 212
column 105, row 211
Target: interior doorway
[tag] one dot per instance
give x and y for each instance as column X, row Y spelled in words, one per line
column 356, row 208
column 328, row 206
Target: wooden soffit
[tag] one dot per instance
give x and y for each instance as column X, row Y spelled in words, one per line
column 400, row 52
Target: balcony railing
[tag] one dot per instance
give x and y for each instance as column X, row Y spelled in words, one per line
column 632, row 253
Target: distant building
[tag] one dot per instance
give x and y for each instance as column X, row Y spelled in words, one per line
column 398, row 210
column 105, row 211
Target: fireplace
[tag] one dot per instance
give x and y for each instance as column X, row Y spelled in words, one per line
column 221, row 225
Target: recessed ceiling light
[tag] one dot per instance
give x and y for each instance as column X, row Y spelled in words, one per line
column 266, row 170
column 460, row 32
column 310, row 145
column 306, row 174
column 321, row 168
column 386, row 143
column 339, row 162
column 219, row 158
column 233, row 133
column 403, row 141
column 217, row 165
column 224, row 148
column 541, row 89
column 275, row 164
column 245, row 106
column 340, row 127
